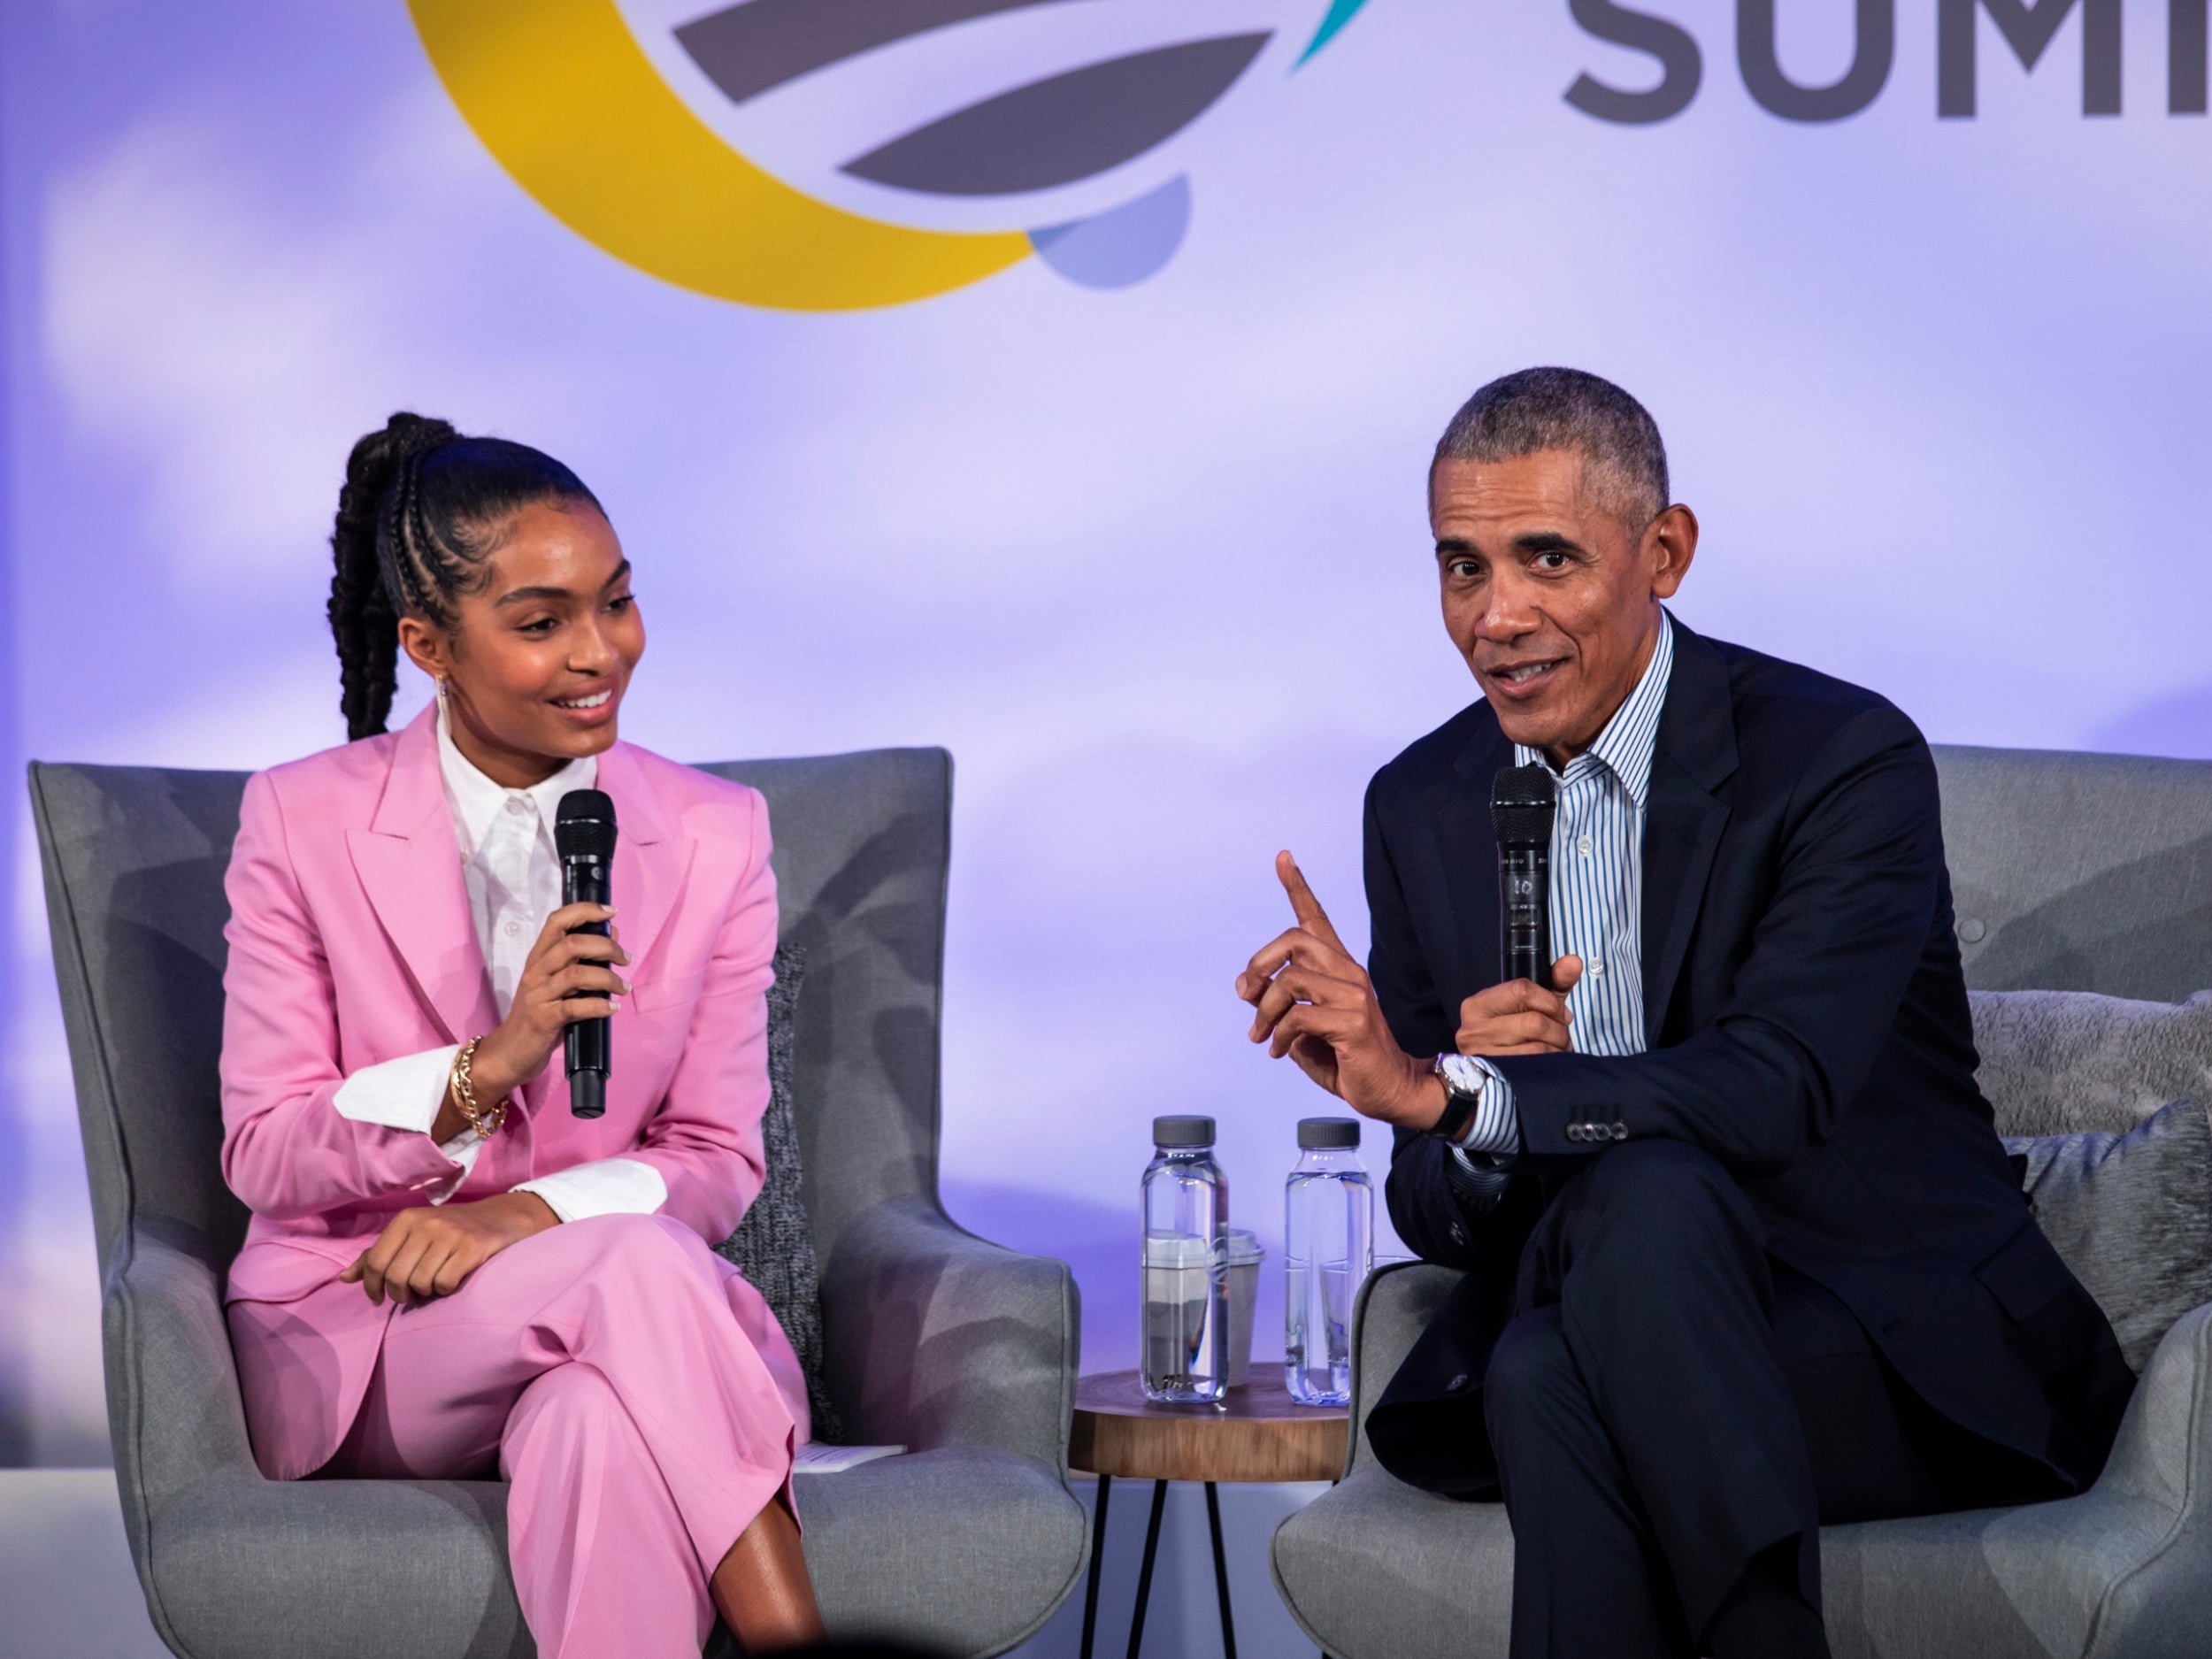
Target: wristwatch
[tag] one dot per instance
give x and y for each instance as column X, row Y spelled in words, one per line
column 1460, row 1106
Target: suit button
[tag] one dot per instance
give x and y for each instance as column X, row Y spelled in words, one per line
column 1620, row 1131
column 1574, row 1131
column 1456, row 1384
column 1459, row 1234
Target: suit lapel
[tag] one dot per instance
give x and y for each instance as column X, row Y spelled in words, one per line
column 651, row 858
column 410, row 866
column 1694, row 753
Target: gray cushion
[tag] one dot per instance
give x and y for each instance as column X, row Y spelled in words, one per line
column 2079, row 872
column 2057, row 1063
column 774, row 1246
column 965, row 1549
column 1374, row 1570
column 960, row 1550
column 2132, row 1217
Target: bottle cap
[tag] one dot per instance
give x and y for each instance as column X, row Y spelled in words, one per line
column 1182, row 1131
column 1317, row 1133
column 1242, row 1246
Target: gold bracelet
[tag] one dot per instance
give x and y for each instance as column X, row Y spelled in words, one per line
column 486, row 1124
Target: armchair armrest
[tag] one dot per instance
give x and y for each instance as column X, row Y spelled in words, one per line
column 173, row 1408
column 174, row 1411
column 933, row 1337
column 2118, row 1570
column 1394, row 1306
column 2162, row 1466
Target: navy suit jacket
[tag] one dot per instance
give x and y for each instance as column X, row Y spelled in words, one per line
column 1807, row 1024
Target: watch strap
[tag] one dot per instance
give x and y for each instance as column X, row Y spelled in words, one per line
column 1460, row 1107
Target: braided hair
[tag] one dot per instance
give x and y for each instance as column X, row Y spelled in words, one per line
column 421, row 509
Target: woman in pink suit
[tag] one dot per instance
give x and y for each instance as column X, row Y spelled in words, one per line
column 447, row 1272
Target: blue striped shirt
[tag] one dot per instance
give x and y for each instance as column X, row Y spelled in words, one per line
column 1597, row 863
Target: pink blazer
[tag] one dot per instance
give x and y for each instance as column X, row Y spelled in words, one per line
column 352, row 943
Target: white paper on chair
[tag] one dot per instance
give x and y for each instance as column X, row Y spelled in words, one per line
column 814, row 1458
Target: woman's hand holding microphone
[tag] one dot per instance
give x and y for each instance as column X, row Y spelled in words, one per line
column 566, row 979
column 426, row 1250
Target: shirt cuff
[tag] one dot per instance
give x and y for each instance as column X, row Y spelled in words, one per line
column 1496, row 1126
column 403, row 1094
column 606, row 1187
column 1477, row 1182
column 408, row 1094
column 462, row 1149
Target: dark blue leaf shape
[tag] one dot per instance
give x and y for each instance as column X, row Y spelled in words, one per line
column 1066, row 127
column 756, row 46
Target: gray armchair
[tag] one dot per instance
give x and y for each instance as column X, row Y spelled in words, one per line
column 934, row 1340
column 2071, row 871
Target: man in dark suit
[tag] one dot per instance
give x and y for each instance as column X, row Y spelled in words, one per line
column 1743, row 1251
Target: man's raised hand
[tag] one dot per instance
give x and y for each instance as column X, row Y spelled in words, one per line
column 1312, row 1001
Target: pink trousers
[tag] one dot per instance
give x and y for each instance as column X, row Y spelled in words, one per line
column 606, row 1366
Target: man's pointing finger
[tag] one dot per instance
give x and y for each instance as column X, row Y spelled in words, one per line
column 1311, row 917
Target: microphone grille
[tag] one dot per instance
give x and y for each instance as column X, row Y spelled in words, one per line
column 583, row 826
column 1522, row 802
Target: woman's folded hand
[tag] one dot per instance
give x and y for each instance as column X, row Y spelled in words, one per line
column 426, row 1251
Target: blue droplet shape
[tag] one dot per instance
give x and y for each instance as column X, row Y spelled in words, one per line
column 1122, row 246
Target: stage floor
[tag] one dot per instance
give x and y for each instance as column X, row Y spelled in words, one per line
column 67, row 1589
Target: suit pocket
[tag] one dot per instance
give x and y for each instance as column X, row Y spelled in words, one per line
column 276, row 1269
column 671, row 991
column 2024, row 1274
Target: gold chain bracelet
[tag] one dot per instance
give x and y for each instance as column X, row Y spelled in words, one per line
column 486, row 1123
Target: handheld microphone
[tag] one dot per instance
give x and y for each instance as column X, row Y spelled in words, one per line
column 583, row 835
column 1522, row 800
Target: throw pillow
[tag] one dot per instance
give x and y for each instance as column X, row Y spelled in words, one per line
column 2132, row 1216
column 2060, row 1062
column 774, row 1246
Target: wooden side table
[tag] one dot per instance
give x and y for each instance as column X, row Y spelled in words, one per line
column 1259, row 1433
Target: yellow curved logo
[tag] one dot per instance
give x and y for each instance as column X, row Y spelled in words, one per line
column 562, row 96
column 571, row 102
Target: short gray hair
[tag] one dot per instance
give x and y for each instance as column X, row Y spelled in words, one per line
column 1532, row 409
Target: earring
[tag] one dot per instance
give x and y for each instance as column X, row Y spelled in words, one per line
column 441, row 697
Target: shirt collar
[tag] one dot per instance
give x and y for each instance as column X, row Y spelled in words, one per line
column 1625, row 747
column 476, row 802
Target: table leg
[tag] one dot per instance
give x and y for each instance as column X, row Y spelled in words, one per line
column 1144, row 1573
column 1221, row 1572
column 1098, row 1556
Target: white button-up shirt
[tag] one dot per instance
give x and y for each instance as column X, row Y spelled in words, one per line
column 1597, row 861
column 513, row 871
column 508, row 860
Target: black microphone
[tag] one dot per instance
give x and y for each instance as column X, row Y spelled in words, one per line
column 583, row 835
column 1523, row 800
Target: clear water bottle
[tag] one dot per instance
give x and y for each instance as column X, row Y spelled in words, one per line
column 1186, row 1204
column 1328, row 1247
